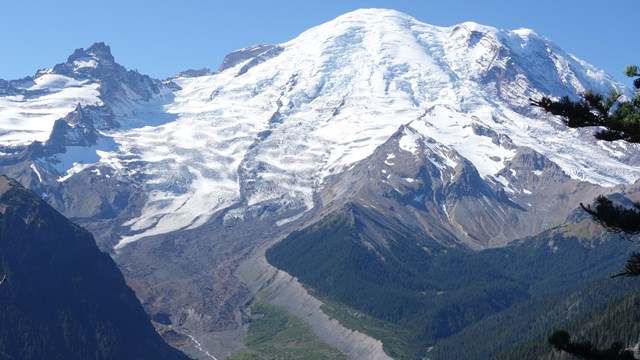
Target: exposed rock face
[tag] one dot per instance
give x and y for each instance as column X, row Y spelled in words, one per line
column 96, row 63
column 194, row 73
column 76, row 129
column 440, row 193
column 250, row 53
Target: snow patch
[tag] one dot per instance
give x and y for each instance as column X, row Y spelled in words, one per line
column 506, row 185
column 84, row 62
column 389, row 157
column 409, row 142
column 453, row 129
column 35, row 170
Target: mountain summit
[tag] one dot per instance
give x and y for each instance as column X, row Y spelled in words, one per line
column 98, row 54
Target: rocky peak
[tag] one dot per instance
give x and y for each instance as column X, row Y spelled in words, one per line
column 98, row 51
column 78, row 117
column 97, row 64
column 87, row 63
column 75, row 129
column 245, row 54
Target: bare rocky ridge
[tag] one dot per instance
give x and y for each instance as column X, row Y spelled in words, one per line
column 437, row 191
column 251, row 53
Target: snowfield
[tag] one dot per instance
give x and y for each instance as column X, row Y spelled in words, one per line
column 29, row 117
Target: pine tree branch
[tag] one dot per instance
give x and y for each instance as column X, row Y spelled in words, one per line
column 615, row 218
column 620, row 119
column 561, row 341
column 632, row 268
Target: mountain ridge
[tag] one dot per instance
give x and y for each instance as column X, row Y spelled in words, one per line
column 66, row 297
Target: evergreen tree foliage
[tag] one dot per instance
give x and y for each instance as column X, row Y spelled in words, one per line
column 617, row 120
column 561, row 341
column 415, row 297
column 633, row 266
column 615, row 218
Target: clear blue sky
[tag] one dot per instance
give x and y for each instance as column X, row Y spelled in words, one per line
column 161, row 38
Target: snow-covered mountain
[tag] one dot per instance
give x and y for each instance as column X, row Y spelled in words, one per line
column 431, row 126
column 277, row 120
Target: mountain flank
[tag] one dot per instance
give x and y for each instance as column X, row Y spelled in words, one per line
column 63, row 298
